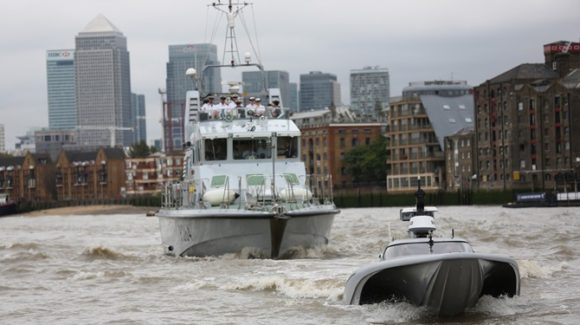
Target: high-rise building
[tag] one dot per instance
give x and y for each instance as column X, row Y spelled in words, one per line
column 181, row 58
column 60, row 79
column 138, row 103
column 2, row 139
column 369, row 90
column 103, row 86
column 293, row 97
column 256, row 82
column 319, row 90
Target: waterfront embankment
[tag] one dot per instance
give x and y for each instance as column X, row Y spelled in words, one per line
column 90, row 210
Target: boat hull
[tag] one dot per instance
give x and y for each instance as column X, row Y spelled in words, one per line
column 447, row 283
column 218, row 232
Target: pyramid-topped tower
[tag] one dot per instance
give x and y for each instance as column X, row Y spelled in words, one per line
column 103, row 85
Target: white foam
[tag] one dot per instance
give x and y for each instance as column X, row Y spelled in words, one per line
column 498, row 306
column 388, row 313
column 192, row 285
column 532, row 269
column 331, row 289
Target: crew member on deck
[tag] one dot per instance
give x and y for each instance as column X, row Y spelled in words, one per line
column 241, row 111
column 234, row 99
column 275, row 110
column 251, row 107
column 207, row 108
column 220, row 108
column 260, row 109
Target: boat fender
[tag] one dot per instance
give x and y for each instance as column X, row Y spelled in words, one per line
column 297, row 193
column 219, row 196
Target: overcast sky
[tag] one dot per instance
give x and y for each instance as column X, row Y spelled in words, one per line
column 471, row 40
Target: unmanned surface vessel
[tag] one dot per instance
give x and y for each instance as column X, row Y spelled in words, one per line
column 444, row 274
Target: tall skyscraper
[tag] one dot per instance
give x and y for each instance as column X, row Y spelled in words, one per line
column 2, row 139
column 293, row 97
column 138, row 104
column 318, row 90
column 60, row 79
column 181, row 58
column 103, row 86
column 369, row 90
column 257, row 81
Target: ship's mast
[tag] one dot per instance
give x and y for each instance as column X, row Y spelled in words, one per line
column 231, row 44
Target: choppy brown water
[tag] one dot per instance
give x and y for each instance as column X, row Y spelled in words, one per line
column 110, row 270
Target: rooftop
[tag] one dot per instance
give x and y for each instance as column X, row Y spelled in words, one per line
column 526, row 71
column 101, row 24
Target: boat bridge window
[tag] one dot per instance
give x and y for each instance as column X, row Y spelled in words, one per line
column 287, row 147
column 423, row 248
column 216, row 149
column 252, row 148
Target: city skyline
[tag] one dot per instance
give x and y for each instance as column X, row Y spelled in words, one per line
column 478, row 41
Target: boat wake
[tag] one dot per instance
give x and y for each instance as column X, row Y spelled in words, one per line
column 296, row 252
column 401, row 312
column 330, row 289
column 534, row 270
column 388, row 312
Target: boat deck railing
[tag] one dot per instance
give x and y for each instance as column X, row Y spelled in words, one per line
column 252, row 192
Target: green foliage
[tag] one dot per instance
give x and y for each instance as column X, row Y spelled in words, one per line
column 139, row 150
column 367, row 163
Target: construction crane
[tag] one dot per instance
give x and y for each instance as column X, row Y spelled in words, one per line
column 111, row 129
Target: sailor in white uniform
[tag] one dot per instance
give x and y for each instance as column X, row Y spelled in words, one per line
column 251, row 107
column 260, row 109
column 207, row 107
column 233, row 100
column 220, row 108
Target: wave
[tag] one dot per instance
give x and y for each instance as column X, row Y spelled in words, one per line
column 108, row 275
column 319, row 252
column 531, row 269
column 30, row 245
column 296, row 252
column 193, row 285
column 331, row 289
column 29, row 255
column 394, row 313
column 103, row 253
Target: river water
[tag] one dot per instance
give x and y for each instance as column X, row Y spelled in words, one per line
column 109, row 269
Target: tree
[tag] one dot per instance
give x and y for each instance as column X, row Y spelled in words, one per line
column 367, row 163
column 139, row 150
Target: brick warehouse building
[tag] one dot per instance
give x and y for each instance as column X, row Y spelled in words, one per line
column 90, row 175
column 327, row 135
column 27, row 178
column 528, row 122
